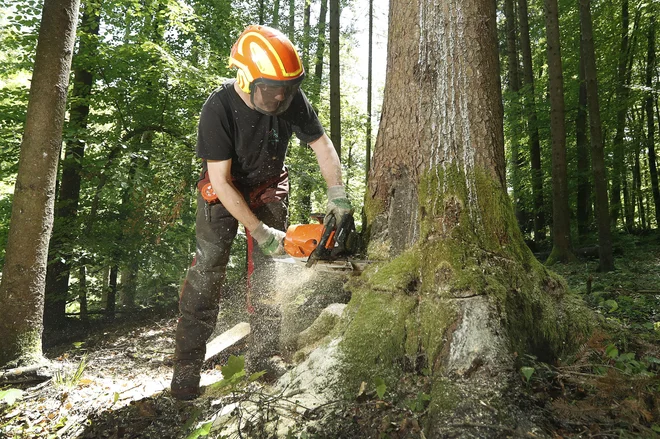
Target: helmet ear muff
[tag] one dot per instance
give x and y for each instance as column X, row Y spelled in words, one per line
column 242, row 81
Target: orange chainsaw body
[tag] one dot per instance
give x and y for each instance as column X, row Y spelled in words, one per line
column 302, row 239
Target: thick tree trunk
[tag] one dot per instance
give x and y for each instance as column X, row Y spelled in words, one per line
column 24, row 273
column 532, row 124
column 650, row 119
column 458, row 292
column 561, row 227
column 605, row 255
column 66, row 208
column 583, row 169
column 335, row 92
column 622, row 107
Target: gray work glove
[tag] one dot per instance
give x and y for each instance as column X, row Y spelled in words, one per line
column 270, row 240
column 338, row 204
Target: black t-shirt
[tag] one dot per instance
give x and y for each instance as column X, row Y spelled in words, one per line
column 256, row 143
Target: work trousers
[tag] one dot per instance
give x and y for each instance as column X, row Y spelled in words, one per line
column 201, row 293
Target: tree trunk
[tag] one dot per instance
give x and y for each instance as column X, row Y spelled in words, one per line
column 66, row 208
column 650, row 120
column 335, row 96
column 583, row 171
column 82, row 294
column 307, row 13
column 24, row 273
column 370, row 64
column 111, row 300
column 532, row 124
column 561, row 227
column 129, row 285
column 262, row 12
column 292, row 20
column 458, row 292
column 276, row 14
column 622, row 107
column 605, row 255
column 514, row 112
column 320, row 52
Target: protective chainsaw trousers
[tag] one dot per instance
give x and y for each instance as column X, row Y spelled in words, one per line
column 199, row 301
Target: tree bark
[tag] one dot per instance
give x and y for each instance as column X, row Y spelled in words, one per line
column 457, row 291
column 606, row 257
column 650, row 119
column 307, row 13
column 583, row 170
column 320, row 53
column 514, row 89
column 622, row 108
column 24, row 273
column 276, row 14
column 561, row 227
column 335, row 96
column 292, row 20
column 532, row 124
column 66, row 207
column 369, row 93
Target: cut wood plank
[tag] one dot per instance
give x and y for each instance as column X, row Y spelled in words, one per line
column 227, row 339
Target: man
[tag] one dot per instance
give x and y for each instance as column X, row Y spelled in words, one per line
column 244, row 130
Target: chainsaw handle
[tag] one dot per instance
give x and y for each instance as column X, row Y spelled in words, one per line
column 321, row 251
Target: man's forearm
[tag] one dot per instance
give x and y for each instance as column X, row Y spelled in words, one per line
column 328, row 160
column 235, row 204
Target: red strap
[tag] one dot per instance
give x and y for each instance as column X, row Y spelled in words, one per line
column 250, row 270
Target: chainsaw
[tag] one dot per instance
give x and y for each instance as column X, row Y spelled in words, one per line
column 328, row 247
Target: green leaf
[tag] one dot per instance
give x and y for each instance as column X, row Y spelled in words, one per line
column 611, row 304
column 655, row 428
column 611, row 351
column 255, row 376
column 10, row 396
column 527, row 372
column 115, row 398
column 204, row 430
column 234, row 366
column 380, row 387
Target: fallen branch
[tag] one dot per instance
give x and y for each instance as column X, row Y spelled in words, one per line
column 35, row 373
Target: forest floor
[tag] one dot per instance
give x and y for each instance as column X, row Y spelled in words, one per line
column 113, row 377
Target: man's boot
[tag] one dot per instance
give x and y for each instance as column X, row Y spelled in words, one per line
column 185, row 379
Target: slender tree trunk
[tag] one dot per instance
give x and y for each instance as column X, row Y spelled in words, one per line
column 262, row 12
column 514, row 89
column 306, row 32
column 111, row 301
column 561, row 227
column 66, row 207
column 650, row 119
column 129, row 285
column 320, row 53
column 276, row 14
column 370, row 64
column 82, row 294
column 335, row 96
column 605, row 255
column 24, row 272
column 583, row 169
column 292, row 20
column 622, row 108
column 532, row 124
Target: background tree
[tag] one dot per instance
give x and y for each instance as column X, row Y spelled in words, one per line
column 561, row 229
column 335, row 96
column 24, row 272
column 606, row 257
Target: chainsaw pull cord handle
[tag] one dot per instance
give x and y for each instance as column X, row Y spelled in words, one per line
column 321, row 251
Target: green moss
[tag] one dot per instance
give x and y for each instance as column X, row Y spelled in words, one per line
column 25, row 350
column 374, row 341
column 469, row 245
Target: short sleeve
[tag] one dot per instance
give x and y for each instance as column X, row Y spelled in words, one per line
column 214, row 134
column 304, row 121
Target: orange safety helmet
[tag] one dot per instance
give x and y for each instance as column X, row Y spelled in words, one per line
column 269, row 68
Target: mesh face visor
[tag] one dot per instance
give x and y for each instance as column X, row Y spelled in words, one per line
column 273, row 97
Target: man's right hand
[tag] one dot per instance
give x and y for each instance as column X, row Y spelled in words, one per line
column 270, row 240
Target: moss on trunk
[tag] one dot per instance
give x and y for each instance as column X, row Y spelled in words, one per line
column 469, row 277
